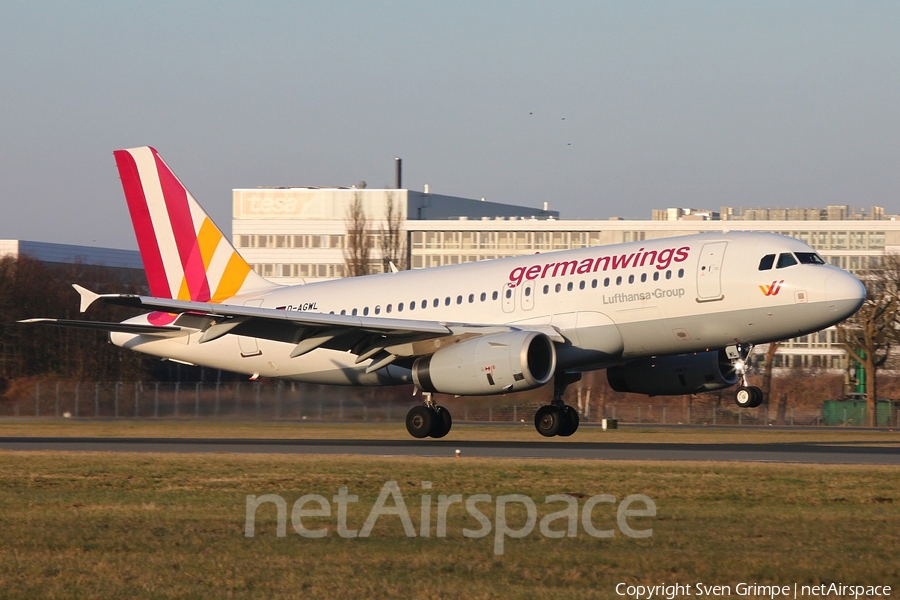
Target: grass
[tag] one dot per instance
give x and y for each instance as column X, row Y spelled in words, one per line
column 102, row 525
column 210, row 428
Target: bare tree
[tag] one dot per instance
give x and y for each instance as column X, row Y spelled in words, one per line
column 393, row 249
column 767, row 370
column 356, row 252
column 871, row 333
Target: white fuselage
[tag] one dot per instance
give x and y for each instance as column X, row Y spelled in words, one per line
column 612, row 304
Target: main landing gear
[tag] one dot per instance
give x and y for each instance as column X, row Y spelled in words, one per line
column 747, row 396
column 428, row 420
column 558, row 418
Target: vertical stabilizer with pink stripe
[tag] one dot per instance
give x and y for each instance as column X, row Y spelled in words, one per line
column 185, row 255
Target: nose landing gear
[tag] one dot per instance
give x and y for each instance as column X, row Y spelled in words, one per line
column 747, row 396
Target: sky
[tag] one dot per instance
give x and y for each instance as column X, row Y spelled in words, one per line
column 600, row 108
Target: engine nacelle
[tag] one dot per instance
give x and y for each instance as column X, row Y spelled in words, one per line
column 674, row 375
column 492, row 364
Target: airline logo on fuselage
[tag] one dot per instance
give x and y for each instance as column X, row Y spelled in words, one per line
column 661, row 259
column 771, row 290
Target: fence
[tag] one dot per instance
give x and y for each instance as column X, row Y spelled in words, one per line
column 295, row 401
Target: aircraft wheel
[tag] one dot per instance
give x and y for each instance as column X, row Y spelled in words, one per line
column 419, row 421
column 745, row 397
column 548, row 420
column 570, row 421
column 442, row 423
column 757, row 397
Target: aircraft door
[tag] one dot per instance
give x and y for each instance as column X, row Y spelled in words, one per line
column 528, row 295
column 250, row 345
column 508, row 298
column 709, row 272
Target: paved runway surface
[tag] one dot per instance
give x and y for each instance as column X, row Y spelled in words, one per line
column 786, row 452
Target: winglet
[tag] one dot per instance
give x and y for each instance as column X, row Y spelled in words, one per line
column 87, row 296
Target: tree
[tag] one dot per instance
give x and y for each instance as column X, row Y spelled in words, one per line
column 393, row 250
column 356, row 252
column 767, row 371
column 871, row 333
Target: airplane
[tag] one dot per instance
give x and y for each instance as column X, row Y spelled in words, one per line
column 669, row 316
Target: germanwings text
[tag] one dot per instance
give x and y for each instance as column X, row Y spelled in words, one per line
column 661, row 259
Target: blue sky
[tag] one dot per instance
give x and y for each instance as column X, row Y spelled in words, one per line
column 599, row 108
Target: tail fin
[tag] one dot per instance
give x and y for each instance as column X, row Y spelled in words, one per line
column 185, row 255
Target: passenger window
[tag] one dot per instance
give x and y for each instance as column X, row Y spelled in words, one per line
column 631, row 279
column 558, row 288
column 571, row 286
column 447, row 301
column 459, row 299
column 668, row 274
column 436, row 302
column 594, row 283
column 412, row 305
column 785, row 259
column 366, row 311
column 483, row 296
column 619, row 280
column 581, row 286
column 494, row 296
column 766, row 262
column 643, row 277
column 655, row 275
column 606, row 282
column 546, row 289
column 344, row 311
column 680, row 273
column 527, row 292
column 508, row 293
column 471, row 298
column 378, row 310
column 388, row 308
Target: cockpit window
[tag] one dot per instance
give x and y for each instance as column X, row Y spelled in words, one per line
column 786, row 259
column 766, row 262
column 809, row 258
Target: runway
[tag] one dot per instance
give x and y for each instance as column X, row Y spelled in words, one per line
column 548, row 449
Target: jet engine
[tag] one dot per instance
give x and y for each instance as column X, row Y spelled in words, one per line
column 491, row 364
column 674, row 375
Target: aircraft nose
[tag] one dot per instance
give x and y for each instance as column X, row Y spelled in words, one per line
column 845, row 293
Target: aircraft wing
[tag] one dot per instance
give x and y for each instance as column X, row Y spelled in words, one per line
column 382, row 339
column 137, row 328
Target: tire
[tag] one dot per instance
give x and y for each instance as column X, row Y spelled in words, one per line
column 745, row 397
column 570, row 420
column 419, row 421
column 442, row 423
column 757, row 397
column 548, row 420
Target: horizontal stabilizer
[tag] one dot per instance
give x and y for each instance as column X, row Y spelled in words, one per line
column 163, row 331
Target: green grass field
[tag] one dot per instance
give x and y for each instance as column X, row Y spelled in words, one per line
column 110, row 525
